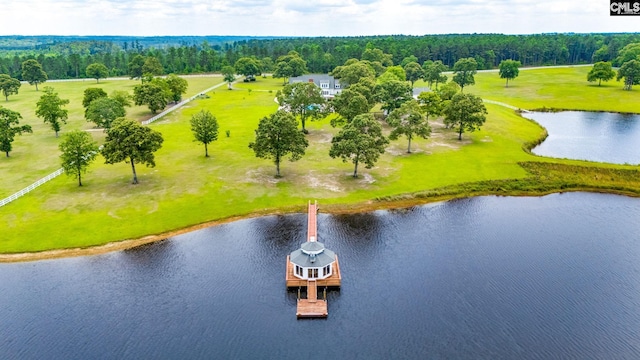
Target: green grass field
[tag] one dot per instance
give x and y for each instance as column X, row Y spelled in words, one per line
column 185, row 188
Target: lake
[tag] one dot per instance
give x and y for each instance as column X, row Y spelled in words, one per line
column 480, row 278
column 594, row 136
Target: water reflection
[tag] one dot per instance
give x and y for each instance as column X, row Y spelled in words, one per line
column 490, row 277
column 595, row 136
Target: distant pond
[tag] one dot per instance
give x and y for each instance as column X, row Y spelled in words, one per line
column 595, row 136
column 554, row 277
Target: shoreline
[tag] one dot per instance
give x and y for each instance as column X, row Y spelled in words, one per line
column 335, row 209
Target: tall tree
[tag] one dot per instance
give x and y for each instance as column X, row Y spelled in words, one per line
column 32, row 73
column 135, row 67
column 393, row 73
column 121, row 96
column 630, row 71
column 413, row 72
column 360, row 141
column 353, row 73
column 289, row 65
column 91, row 94
column 464, row 71
column 229, row 74
column 9, row 128
column 177, row 86
column 601, row 71
column 433, row 72
column 409, row 121
column 132, row 143
column 447, row 90
column 248, row 66
column 304, row 100
column 277, row 136
column 205, row 128
column 49, row 108
column 465, row 111
column 97, row 71
column 348, row 104
column 393, row 93
column 9, row 85
column 153, row 94
column 104, row 111
column 431, row 103
column 152, row 67
column 508, row 69
column 78, row 151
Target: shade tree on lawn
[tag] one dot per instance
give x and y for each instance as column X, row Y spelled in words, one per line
column 9, row 128
column 408, row 120
column 205, row 128
column 9, row 86
column 466, row 112
column 360, row 141
column 128, row 141
column 78, row 152
column 277, row 136
column 49, row 108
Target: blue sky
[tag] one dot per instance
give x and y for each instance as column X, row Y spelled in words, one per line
column 307, row 17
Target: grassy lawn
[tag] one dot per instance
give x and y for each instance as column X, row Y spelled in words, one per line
column 36, row 155
column 558, row 88
column 185, row 188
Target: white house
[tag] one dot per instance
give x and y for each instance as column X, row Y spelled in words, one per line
column 328, row 84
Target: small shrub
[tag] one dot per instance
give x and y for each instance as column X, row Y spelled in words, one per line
column 228, row 132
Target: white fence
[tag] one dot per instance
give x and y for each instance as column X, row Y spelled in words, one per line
column 180, row 104
column 29, row 188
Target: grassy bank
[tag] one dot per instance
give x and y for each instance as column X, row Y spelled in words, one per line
column 185, row 188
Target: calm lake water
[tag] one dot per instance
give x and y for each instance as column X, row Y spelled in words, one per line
column 480, row 278
column 595, row 136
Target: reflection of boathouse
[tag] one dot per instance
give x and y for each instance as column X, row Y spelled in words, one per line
column 311, row 266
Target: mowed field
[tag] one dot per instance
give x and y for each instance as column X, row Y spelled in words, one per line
column 186, row 189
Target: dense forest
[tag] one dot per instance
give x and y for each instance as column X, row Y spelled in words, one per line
column 68, row 57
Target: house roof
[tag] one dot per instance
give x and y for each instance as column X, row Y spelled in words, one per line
column 300, row 258
column 317, row 79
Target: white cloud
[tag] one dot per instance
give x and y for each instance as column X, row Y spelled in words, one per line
column 306, row 18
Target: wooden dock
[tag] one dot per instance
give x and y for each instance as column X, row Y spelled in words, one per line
column 311, row 307
column 332, row 281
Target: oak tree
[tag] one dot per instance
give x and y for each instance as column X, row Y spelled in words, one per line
column 78, row 151
column 49, row 108
column 508, row 69
column 277, row 136
column 360, row 141
column 97, row 71
column 303, row 100
column 9, row 128
column 601, row 71
column 177, row 86
column 205, row 128
column 464, row 71
column 132, row 143
column 409, row 121
column 9, row 85
column 630, row 71
column 32, row 73
column 104, row 111
column 466, row 112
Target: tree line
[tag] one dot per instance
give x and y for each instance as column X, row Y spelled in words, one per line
column 323, row 54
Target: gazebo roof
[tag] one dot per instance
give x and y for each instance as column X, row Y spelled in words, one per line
column 324, row 258
column 312, row 247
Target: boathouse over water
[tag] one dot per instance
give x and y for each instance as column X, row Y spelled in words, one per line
column 311, row 266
